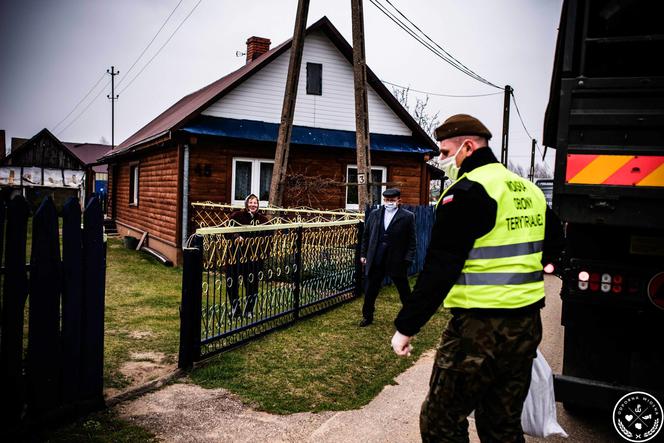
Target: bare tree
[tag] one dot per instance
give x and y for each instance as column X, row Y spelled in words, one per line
column 517, row 169
column 104, row 141
column 427, row 120
column 305, row 189
column 542, row 171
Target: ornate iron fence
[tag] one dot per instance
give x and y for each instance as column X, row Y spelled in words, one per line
column 209, row 214
column 242, row 282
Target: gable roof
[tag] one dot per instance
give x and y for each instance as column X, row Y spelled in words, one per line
column 86, row 154
column 193, row 104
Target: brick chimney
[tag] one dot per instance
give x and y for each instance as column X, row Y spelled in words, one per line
column 256, row 46
column 3, row 146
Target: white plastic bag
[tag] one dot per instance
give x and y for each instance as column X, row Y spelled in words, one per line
column 539, row 410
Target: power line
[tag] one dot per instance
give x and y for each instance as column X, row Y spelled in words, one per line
column 475, row 75
column 440, row 94
column 85, row 109
column 419, row 39
column 162, row 47
column 441, row 52
column 80, row 101
column 518, row 112
column 149, row 44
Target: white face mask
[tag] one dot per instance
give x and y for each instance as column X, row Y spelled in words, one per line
column 390, row 206
column 449, row 166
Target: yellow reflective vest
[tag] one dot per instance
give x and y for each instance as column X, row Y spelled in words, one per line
column 503, row 269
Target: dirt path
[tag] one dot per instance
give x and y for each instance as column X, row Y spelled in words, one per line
column 186, row 412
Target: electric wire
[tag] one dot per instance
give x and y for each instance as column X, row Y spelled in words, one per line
column 436, row 94
column 419, row 39
column 149, row 44
column 54, row 128
column 84, row 109
column 161, row 47
column 518, row 112
column 467, row 69
column 441, row 53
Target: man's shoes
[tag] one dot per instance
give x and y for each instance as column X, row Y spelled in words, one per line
column 365, row 322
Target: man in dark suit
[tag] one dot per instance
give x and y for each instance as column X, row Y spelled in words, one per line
column 388, row 248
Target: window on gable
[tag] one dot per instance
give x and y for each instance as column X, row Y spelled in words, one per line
column 251, row 176
column 133, row 184
column 314, row 79
column 378, row 175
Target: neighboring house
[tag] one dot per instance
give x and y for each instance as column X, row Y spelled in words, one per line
column 43, row 165
column 218, row 143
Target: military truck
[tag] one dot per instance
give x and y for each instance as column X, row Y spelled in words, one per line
column 605, row 120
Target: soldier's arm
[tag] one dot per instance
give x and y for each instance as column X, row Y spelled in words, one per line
column 466, row 214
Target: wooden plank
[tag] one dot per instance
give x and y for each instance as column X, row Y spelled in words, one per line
column 94, row 277
column 15, row 292
column 72, row 264
column 44, row 352
column 140, row 242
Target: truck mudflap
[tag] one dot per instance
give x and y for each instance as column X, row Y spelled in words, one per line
column 584, row 393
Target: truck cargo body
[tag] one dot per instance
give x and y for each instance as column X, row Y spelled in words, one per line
column 605, row 120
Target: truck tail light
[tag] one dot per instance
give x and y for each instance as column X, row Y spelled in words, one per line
column 583, row 280
column 656, row 290
column 617, row 283
column 594, row 281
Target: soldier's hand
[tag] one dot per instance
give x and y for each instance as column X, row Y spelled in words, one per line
column 363, row 260
column 401, row 344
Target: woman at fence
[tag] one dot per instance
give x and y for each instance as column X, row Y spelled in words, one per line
column 243, row 264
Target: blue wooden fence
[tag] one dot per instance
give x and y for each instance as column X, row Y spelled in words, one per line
column 425, row 216
column 57, row 372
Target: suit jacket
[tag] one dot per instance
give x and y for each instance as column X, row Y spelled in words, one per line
column 402, row 240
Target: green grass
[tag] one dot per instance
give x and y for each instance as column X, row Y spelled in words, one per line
column 324, row 363
column 101, row 427
column 142, row 303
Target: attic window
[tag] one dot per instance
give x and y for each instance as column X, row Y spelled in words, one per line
column 314, row 79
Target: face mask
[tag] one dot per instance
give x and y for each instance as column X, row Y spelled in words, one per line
column 449, row 166
column 390, row 206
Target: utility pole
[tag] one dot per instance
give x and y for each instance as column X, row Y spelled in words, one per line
column 531, row 175
column 113, row 98
column 288, row 108
column 361, row 107
column 506, row 125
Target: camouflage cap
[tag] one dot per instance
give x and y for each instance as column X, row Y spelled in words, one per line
column 461, row 124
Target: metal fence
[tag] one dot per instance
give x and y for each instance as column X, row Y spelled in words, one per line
column 209, row 214
column 242, row 282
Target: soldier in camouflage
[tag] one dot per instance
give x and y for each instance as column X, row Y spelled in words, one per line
column 485, row 261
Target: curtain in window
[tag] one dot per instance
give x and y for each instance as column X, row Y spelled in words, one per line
column 242, row 180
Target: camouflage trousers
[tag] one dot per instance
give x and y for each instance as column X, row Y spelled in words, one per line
column 482, row 364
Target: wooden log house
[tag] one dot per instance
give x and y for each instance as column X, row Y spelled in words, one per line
column 44, row 165
column 218, row 143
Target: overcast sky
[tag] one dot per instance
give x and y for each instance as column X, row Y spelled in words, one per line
column 53, row 52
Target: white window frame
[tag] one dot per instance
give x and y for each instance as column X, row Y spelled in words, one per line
column 135, row 183
column 255, row 178
column 383, row 170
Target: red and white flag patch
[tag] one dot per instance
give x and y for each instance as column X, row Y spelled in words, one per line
column 448, row 199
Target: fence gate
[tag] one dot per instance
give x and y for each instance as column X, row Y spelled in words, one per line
column 239, row 283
